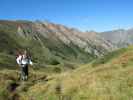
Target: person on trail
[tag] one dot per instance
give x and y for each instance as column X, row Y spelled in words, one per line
column 23, row 61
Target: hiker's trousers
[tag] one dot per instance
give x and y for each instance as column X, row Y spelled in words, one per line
column 24, row 71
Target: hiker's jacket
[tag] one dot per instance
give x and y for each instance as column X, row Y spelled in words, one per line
column 23, row 60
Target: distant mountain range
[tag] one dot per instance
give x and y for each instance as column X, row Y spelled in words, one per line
column 120, row 37
column 54, row 44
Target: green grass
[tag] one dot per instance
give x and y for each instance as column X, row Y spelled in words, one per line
column 7, row 61
column 106, row 58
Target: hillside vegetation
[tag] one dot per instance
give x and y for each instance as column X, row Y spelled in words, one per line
column 107, row 78
column 49, row 43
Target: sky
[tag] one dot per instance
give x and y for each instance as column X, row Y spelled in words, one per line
column 96, row 15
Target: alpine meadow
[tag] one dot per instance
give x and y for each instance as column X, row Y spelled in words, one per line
column 66, row 50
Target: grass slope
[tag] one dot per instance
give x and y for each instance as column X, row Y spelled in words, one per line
column 111, row 80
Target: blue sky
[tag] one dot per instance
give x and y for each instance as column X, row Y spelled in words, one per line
column 98, row 15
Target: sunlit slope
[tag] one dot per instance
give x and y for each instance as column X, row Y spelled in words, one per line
column 112, row 80
column 49, row 43
column 107, row 78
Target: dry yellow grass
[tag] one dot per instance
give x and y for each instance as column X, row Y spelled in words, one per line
column 110, row 81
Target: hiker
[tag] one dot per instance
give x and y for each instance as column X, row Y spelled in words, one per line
column 23, row 61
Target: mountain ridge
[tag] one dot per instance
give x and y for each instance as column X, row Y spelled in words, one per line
column 120, row 37
column 54, row 42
